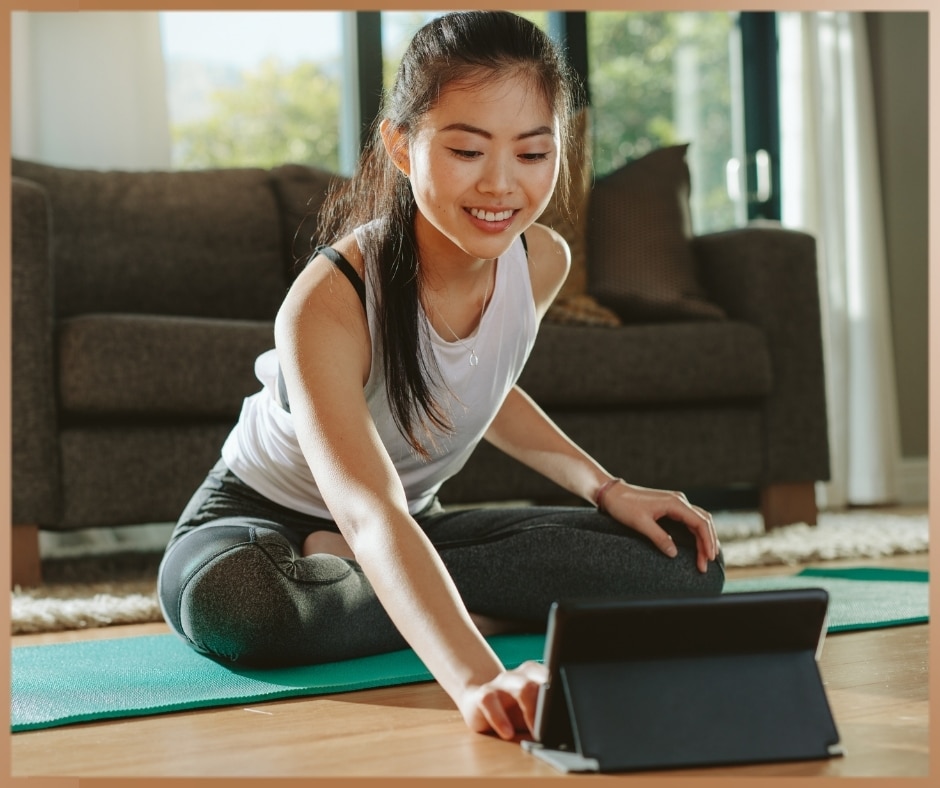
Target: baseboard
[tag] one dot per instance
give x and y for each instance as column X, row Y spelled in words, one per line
column 104, row 541
column 913, row 481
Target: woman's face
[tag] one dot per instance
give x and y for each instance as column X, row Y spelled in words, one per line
column 483, row 165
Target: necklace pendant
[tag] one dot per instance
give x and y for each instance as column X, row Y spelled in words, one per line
column 474, row 358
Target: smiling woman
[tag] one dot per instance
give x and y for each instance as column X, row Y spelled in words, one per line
column 318, row 535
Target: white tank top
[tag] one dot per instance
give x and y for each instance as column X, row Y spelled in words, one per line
column 263, row 451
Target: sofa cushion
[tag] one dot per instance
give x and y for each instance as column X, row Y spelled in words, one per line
column 301, row 191
column 641, row 263
column 154, row 366
column 129, row 474
column 174, row 243
column 656, row 365
column 673, row 448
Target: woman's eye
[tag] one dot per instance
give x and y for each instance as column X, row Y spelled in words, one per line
column 534, row 156
column 465, row 154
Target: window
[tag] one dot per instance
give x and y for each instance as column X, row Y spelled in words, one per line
column 397, row 29
column 660, row 79
column 254, row 88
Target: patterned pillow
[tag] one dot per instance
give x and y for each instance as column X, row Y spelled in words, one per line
column 641, row 262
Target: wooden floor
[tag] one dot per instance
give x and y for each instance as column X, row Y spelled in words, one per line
column 876, row 682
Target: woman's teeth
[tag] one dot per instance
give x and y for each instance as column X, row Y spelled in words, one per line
column 489, row 216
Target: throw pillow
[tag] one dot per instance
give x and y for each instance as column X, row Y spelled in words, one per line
column 639, row 233
column 573, row 304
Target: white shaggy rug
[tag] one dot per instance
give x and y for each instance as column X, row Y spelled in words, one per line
column 84, row 606
column 69, row 601
column 837, row 535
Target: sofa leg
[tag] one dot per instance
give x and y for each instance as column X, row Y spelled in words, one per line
column 787, row 503
column 26, row 569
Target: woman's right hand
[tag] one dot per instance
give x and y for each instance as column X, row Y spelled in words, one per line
column 506, row 704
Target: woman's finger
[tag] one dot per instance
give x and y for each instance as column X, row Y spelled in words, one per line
column 534, row 671
column 709, row 538
column 495, row 714
column 713, row 531
column 515, row 692
column 652, row 530
column 699, row 521
column 528, row 700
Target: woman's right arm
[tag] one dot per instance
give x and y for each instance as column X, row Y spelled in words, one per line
column 323, row 348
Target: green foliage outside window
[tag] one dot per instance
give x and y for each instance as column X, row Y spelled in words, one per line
column 634, row 65
column 278, row 114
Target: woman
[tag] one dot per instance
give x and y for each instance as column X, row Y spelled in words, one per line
column 319, row 536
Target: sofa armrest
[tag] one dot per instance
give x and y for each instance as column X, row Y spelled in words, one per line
column 35, row 454
column 767, row 276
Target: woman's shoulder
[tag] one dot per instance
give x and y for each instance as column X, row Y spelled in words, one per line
column 323, row 313
column 317, row 289
column 549, row 262
column 543, row 240
column 328, row 260
column 350, row 247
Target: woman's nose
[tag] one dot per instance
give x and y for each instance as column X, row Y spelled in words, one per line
column 498, row 176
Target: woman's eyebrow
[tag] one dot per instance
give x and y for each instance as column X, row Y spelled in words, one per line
column 471, row 129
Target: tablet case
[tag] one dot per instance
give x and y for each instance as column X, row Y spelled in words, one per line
column 655, row 684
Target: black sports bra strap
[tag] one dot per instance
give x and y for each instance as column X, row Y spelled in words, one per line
column 355, row 280
column 346, row 267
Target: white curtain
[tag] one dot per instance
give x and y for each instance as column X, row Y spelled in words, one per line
column 88, row 89
column 831, row 188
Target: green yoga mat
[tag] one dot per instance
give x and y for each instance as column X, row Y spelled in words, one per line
column 66, row 683
column 859, row 597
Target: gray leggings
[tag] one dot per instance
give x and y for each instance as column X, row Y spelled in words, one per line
column 234, row 585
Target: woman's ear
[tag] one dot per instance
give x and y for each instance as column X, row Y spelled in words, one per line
column 396, row 145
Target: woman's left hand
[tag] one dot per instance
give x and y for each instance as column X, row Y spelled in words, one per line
column 640, row 507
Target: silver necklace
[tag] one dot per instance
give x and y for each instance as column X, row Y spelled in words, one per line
column 474, row 358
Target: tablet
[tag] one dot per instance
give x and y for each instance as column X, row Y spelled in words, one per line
column 657, row 683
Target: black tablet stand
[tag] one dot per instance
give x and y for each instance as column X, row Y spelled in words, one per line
column 719, row 695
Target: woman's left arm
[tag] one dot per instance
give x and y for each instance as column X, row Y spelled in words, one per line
column 524, row 431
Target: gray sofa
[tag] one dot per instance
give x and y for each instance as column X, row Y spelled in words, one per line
column 140, row 301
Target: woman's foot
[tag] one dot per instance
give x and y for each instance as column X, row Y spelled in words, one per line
column 326, row 542
column 330, row 543
column 503, row 626
column 494, row 626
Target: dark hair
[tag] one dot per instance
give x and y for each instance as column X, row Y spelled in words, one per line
column 457, row 46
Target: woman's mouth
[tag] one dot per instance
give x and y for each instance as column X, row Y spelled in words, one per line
column 491, row 216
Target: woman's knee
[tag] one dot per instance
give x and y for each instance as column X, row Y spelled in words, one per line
column 243, row 593
column 207, row 575
column 237, row 605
